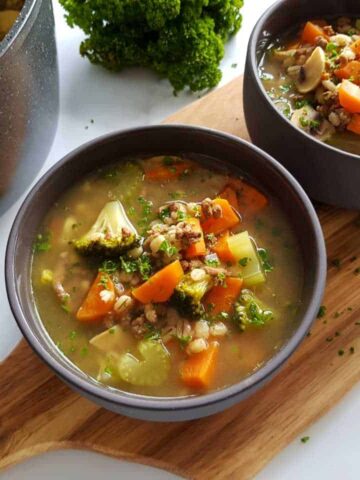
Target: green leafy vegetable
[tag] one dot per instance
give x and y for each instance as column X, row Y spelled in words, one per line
column 182, row 40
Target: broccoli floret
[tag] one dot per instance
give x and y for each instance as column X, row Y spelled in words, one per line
column 182, row 40
column 111, row 234
column 189, row 294
column 249, row 311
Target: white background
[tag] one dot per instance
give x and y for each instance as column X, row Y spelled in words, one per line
column 116, row 101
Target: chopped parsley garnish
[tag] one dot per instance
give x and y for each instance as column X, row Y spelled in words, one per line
column 152, row 332
column 286, row 87
column 305, row 439
column 332, row 49
column 336, row 262
column 244, row 261
column 42, row 242
column 146, row 212
column 301, row 104
column 109, row 266
column 265, row 262
column 104, row 280
column 168, row 249
column 183, row 340
column 141, row 265
column 341, row 352
column 212, row 260
column 321, row 312
column 164, row 213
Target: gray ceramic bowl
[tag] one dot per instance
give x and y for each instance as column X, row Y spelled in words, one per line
column 158, row 140
column 326, row 173
column 29, row 98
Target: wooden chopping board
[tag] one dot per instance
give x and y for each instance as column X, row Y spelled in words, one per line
column 39, row 413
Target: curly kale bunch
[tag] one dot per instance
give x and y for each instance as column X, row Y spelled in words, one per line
column 182, row 40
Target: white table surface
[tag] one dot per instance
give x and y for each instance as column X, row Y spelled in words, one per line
column 116, row 101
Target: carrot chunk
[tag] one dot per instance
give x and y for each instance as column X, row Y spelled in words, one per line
column 231, row 196
column 198, row 248
column 221, row 248
column 161, row 285
column 311, row 32
column 351, row 70
column 356, row 47
column 199, row 369
column 168, row 172
column 250, row 199
column 97, row 304
column 349, row 96
column 354, row 125
column 222, row 298
column 227, row 220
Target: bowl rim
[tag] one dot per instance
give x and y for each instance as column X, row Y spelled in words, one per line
column 252, row 49
column 28, row 10
column 163, row 404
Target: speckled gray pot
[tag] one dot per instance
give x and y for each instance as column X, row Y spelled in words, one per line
column 29, row 98
column 160, row 140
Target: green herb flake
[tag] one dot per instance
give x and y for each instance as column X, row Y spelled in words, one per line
column 183, row 341
column 72, row 335
column 336, row 262
column 168, row 249
column 322, row 311
column 264, row 257
column 42, row 242
column 244, row 261
column 305, row 439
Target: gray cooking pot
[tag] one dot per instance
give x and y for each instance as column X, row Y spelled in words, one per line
column 29, row 98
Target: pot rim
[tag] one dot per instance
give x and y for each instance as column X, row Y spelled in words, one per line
column 28, row 11
column 163, row 404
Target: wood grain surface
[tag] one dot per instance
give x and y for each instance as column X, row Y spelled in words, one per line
column 39, row 413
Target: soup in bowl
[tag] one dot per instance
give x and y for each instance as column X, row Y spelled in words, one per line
column 295, row 107
column 164, row 273
column 312, row 74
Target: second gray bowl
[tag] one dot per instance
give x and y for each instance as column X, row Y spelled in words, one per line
column 327, row 174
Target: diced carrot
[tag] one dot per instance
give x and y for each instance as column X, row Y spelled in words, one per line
column 250, row 199
column 161, row 285
column 168, row 172
column 221, row 248
column 96, row 305
column 311, row 32
column 349, row 96
column 199, row 369
column 351, row 70
column 356, row 47
column 222, row 298
column 354, row 125
column 199, row 248
column 231, row 196
column 227, row 220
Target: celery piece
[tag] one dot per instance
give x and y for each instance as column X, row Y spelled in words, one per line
column 242, row 247
column 151, row 370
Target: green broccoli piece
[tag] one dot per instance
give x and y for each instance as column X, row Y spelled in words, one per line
column 111, row 234
column 189, row 294
column 249, row 311
column 182, row 40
